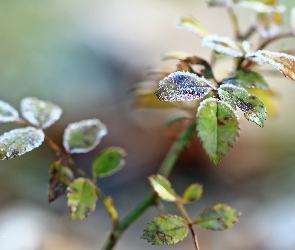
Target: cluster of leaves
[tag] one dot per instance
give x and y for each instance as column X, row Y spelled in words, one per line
column 218, row 100
column 79, row 137
column 170, row 229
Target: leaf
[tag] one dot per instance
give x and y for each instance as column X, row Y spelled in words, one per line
column 252, row 107
column 247, row 79
column 163, row 187
column 20, row 141
column 166, row 229
column 283, row 62
column 192, row 193
column 218, row 217
column 218, row 127
column 268, row 24
column 220, row 3
column 259, row 6
column 40, row 113
column 81, row 198
column 60, row 178
column 183, row 86
column 108, row 162
column 190, row 23
column 223, row 45
column 7, row 112
column 83, row 136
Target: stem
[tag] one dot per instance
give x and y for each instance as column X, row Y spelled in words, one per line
column 165, row 169
column 183, row 211
column 234, row 21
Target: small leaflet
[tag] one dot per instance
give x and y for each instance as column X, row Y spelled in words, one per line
column 7, row 112
column 60, row 177
column 40, row 113
column 252, row 107
column 165, row 230
column 183, row 86
column 83, row 136
column 190, row 23
column 268, row 24
column 218, row 127
column 82, row 198
column 163, row 187
column 223, row 45
column 192, row 193
column 108, row 162
column 20, row 141
column 283, row 62
column 219, row 217
column 293, row 19
column 247, row 79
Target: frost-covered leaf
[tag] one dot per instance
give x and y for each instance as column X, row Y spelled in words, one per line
column 190, row 23
column 218, row 127
column 163, row 187
column 192, row 193
column 83, row 136
column 7, row 112
column 259, row 6
column 220, row 3
column 178, row 55
column 183, row 86
column 247, row 79
column 165, row 230
column 223, row 45
column 20, row 141
column 108, row 162
column 268, row 24
column 40, row 113
column 60, row 177
column 218, row 217
column 252, row 107
column 293, row 19
column 81, row 198
column 283, row 62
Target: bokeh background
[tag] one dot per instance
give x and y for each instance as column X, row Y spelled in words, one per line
column 87, row 56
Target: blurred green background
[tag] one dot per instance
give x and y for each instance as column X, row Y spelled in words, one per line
column 87, row 57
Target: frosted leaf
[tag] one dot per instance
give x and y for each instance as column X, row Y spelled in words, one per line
column 20, row 141
column 268, row 24
column 223, row 45
column 293, row 19
column 190, row 23
column 283, row 62
column 40, row 113
column 83, row 136
column 261, row 7
column 178, row 55
column 252, row 107
column 183, row 86
column 220, row 3
column 7, row 112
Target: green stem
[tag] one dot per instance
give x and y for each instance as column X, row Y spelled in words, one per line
column 165, row 170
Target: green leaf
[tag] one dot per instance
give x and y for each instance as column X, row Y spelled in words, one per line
column 218, row 127
column 81, row 198
column 166, row 229
column 283, row 62
column 192, row 193
column 40, row 113
column 83, row 136
column 163, row 187
column 183, row 86
column 247, row 79
column 20, row 141
column 218, row 217
column 7, row 112
column 60, row 178
column 252, row 107
column 223, row 45
column 108, row 162
column 190, row 23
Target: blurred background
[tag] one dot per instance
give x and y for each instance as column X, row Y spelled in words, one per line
column 87, row 57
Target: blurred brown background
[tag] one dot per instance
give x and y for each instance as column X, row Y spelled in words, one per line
column 87, row 56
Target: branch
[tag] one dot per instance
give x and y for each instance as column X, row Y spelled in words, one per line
column 165, row 170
